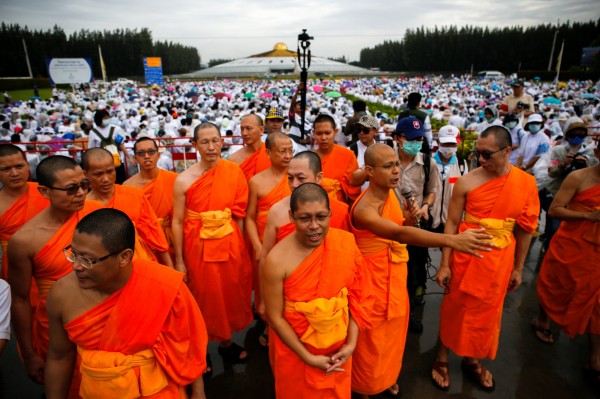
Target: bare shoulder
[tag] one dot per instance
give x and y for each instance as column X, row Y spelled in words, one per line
column 133, row 181
column 186, row 178
column 239, row 156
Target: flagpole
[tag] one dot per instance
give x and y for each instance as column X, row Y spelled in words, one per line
column 102, row 66
column 27, row 59
column 559, row 61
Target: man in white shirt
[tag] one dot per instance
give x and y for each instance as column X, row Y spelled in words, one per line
column 367, row 127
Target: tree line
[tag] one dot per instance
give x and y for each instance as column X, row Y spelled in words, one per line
column 123, row 51
column 508, row 49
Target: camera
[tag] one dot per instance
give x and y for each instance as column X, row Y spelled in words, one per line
column 303, row 37
column 522, row 105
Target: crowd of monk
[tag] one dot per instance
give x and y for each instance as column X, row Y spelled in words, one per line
column 97, row 316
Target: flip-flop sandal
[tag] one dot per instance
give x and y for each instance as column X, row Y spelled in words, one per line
column 232, row 353
column 476, row 372
column 387, row 393
column 546, row 332
column 264, row 337
column 438, row 368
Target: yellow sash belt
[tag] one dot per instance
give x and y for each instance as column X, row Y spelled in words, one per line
column 328, row 319
column 111, row 375
column 501, row 230
column 397, row 252
column 215, row 224
column 165, row 223
column 44, row 286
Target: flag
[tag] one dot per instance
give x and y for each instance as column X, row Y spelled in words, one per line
column 102, row 66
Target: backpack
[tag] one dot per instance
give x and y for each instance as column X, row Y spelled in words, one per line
column 109, row 144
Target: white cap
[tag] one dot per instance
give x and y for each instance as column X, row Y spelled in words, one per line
column 448, row 134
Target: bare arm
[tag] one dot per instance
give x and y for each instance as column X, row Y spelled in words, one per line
column 60, row 360
column 358, row 178
column 177, row 224
column 558, row 209
column 523, row 239
column 20, row 270
column 164, row 259
column 250, row 220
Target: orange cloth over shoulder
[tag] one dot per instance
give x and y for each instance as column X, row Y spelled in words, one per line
column 380, row 349
column 334, row 265
column 148, row 339
column 471, row 313
column 159, row 193
column 339, row 165
column 27, row 206
column 568, row 285
column 255, row 163
column 219, row 270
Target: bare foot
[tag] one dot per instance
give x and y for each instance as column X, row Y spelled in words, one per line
column 542, row 331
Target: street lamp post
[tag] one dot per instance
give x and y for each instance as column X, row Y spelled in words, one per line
column 304, row 63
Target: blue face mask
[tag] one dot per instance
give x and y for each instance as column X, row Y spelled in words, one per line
column 511, row 125
column 490, row 120
column 412, row 148
column 575, row 141
column 534, row 128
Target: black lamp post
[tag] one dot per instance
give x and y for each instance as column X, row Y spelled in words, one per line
column 304, row 63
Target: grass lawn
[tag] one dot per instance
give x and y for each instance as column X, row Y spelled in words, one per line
column 25, row 95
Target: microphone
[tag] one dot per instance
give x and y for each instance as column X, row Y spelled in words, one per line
column 407, row 194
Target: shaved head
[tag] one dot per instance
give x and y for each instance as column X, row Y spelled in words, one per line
column 115, row 229
column 373, row 153
column 308, row 192
column 314, row 161
column 94, row 153
column 257, row 118
column 10, row 149
column 272, row 139
column 502, row 135
column 48, row 168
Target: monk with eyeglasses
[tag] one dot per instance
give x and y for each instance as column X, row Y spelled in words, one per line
column 36, row 250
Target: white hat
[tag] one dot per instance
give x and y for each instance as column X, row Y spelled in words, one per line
column 448, row 134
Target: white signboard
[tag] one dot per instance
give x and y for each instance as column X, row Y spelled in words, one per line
column 70, row 70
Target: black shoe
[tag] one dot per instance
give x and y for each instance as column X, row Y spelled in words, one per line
column 415, row 325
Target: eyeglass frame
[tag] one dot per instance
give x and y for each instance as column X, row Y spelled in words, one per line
column 486, row 154
column 92, row 262
column 75, row 187
column 143, row 153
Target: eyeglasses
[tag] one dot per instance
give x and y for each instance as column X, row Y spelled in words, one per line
column 142, row 153
column 85, row 185
column 307, row 219
column 86, row 263
column 389, row 165
column 365, row 130
column 486, row 154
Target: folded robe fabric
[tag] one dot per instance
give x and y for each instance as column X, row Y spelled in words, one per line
column 256, row 163
column 339, row 165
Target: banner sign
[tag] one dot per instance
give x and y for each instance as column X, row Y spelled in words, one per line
column 69, row 70
column 153, row 71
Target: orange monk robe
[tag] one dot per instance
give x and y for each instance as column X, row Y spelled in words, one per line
column 339, row 165
column 569, row 282
column 27, row 206
column 149, row 237
column 49, row 265
column 334, row 265
column 219, row 270
column 380, row 349
column 159, row 193
column 256, row 163
column 471, row 313
column 154, row 317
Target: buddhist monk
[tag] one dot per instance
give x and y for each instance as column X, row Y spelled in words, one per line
column 210, row 200
column 151, row 241
column 339, row 163
column 36, row 250
column 503, row 200
column 568, row 285
column 155, row 183
column 382, row 232
column 20, row 200
column 134, row 323
column 317, row 297
column 252, row 158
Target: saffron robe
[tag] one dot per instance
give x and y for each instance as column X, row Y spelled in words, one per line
column 471, row 313
column 380, row 349
column 332, row 266
column 112, row 334
column 219, row 270
column 24, row 208
column 568, row 285
column 339, row 165
column 159, row 193
column 256, row 163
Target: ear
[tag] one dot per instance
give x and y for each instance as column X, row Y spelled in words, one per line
column 290, row 215
column 319, row 178
column 125, row 257
column 44, row 191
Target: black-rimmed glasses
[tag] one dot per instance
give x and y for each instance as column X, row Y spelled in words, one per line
column 486, row 154
column 86, row 263
column 85, row 185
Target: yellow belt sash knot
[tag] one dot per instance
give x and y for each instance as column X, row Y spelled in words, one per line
column 501, row 230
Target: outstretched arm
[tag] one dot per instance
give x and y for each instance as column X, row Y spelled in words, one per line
column 177, row 224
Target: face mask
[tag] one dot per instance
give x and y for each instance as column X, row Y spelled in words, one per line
column 575, row 141
column 490, row 120
column 411, row 148
column 534, row 128
column 447, row 152
column 511, row 125
column 105, row 122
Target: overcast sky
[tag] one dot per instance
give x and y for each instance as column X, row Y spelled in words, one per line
column 238, row 28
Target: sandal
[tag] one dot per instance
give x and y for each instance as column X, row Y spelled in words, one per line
column 388, row 393
column 477, row 373
column 438, row 367
column 543, row 335
column 232, row 353
column 263, row 341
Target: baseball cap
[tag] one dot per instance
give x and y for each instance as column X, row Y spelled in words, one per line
column 410, row 127
column 368, row 121
column 448, row 134
column 535, row 118
column 517, row 83
column 274, row 113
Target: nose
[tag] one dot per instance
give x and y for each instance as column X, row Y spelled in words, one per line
column 77, row 266
column 313, row 223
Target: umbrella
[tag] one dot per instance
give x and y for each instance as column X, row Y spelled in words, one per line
column 265, row 95
column 190, row 94
column 318, row 89
column 588, row 95
column 286, row 91
column 249, row 95
column 551, row 100
column 273, row 90
column 221, row 95
column 333, row 94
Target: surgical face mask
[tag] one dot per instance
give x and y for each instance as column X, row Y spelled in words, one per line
column 575, row 140
column 490, row 120
column 105, row 122
column 412, row 148
column 511, row 125
column 447, row 152
column 534, row 128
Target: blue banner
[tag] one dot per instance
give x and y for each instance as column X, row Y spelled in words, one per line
column 153, row 71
